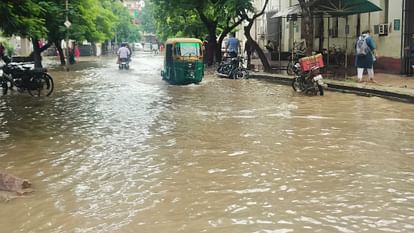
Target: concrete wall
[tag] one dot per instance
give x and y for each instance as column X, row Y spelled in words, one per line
column 259, row 28
column 22, row 46
column 390, row 45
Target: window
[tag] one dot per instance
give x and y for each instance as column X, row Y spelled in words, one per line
column 302, row 28
column 333, row 31
column 318, row 27
column 187, row 49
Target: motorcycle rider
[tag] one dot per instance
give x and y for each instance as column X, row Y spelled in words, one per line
column 233, row 45
column 123, row 53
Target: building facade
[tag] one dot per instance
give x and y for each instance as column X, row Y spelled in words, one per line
column 391, row 28
column 134, row 7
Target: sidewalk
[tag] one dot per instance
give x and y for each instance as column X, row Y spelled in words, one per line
column 390, row 86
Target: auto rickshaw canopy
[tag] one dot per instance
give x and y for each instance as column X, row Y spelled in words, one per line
column 186, row 48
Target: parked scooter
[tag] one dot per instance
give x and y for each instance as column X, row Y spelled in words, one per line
column 309, row 82
column 233, row 67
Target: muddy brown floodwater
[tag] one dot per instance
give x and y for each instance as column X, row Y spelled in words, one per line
column 123, row 151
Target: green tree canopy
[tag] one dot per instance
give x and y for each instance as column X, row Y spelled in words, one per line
column 24, row 17
column 146, row 19
column 198, row 18
column 91, row 20
column 123, row 28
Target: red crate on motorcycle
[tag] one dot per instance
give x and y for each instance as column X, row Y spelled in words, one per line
column 306, row 63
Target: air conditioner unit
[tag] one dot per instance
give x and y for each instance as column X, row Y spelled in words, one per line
column 383, row 29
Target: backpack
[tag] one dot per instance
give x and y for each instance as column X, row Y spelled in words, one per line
column 362, row 46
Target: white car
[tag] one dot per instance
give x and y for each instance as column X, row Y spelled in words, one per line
column 147, row 47
column 138, row 47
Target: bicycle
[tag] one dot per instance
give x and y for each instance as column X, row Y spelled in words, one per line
column 297, row 53
column 293, row 59
column 336, row 55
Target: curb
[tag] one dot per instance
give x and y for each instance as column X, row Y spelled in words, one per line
column 397, row 94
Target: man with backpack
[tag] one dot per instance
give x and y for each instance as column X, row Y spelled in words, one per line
column 233, row 45
column 365, row 56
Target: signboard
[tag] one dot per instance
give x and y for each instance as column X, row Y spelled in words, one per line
column 397, row 24
column 67, row 23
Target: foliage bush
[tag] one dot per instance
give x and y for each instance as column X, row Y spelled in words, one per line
column 8, row 46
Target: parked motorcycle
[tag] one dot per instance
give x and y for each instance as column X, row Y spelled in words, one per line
column 23, row 76
column 293, row 59
column 233, row 68
column 309, row 82
column 123, row 63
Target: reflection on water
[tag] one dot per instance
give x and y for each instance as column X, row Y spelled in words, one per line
column 122, row 151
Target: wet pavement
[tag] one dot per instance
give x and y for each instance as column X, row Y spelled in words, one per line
column 123, row 151
column 391, row 86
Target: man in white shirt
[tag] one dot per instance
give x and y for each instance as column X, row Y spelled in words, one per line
column 123, row 52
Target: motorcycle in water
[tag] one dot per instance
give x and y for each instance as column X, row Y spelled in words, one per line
column 297, row 53
column 124, row 63
column 308, row 82
column 293, row 59
column 233, row 67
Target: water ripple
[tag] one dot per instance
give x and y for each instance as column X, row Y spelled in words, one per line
column 120, row 151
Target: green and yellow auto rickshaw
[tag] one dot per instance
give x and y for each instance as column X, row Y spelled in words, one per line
column 183, row 63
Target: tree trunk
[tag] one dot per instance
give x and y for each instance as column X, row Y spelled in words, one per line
column 42, row 49
column 219, row 54
column 61, row 53
column 307, row 18
column 321, row 33
column 45, row 47
column 212, row 40
column 256, row 47
column 211, row 48
column 36, row 53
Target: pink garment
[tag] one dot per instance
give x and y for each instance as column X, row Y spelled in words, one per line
column 77, row 52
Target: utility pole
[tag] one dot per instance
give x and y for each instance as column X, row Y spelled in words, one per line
column 67, row 24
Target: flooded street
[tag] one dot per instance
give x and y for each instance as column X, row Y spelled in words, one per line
column 123, row 151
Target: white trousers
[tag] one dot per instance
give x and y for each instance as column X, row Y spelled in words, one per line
column 360, row 72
